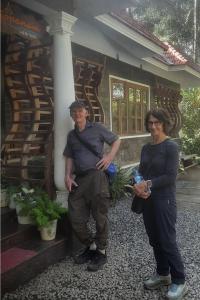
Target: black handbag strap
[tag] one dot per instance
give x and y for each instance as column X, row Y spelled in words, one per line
column 87, row 145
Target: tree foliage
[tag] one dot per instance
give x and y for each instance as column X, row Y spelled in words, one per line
column 191, row 121
column 171, row 21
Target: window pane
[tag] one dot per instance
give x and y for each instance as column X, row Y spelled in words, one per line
column 124, row 117
column 139, row 125
column 138, row 96
column 131, row 111
column 131, row 94
column 118, row 91
column 115, row 117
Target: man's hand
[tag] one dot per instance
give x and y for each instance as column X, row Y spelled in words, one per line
column 107, row 158
column 69, row 183
column 104, row 162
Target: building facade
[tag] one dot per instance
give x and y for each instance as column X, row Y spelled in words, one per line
column 54, row 55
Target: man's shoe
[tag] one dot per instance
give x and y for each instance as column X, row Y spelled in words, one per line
column 97, row 262
column 176, row 291
column 156, row 281
column 84, row 257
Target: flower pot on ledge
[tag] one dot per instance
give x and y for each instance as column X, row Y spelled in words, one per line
column 48, row 232
column 23, row 219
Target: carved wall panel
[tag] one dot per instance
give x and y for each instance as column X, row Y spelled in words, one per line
column 87, row 77
column 27, row 148
column 169, row 99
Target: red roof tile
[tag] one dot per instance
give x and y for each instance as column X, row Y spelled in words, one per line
column 170, row 55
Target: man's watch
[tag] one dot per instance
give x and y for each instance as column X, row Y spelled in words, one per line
column 149, row 184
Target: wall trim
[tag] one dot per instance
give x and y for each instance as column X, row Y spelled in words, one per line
column 134, row 136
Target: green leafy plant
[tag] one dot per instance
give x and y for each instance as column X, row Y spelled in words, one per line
column 45, row 210
column 190, row 135
column 24, row 199
column 117, row 186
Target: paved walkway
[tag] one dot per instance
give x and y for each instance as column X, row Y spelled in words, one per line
column 130, row 260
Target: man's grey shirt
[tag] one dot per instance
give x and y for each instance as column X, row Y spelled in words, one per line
column 96, row 135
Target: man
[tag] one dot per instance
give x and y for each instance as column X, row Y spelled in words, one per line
column 89, row 190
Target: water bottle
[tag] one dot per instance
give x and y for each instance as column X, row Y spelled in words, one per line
column 137, row 177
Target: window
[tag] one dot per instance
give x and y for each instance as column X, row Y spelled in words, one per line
column 129, row 104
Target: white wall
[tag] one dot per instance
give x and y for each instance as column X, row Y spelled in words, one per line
column 89, row 34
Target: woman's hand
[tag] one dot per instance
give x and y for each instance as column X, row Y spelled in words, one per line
column 140, row 189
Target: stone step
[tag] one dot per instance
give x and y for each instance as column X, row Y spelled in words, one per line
column 24, row 254
column 7, row 214
column 26, row 260
column 13, row 233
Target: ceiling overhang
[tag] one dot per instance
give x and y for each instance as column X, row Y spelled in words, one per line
column 78, row 8
column 99, row 7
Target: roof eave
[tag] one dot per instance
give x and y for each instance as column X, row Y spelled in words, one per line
column 172, row 68
column 116, row 25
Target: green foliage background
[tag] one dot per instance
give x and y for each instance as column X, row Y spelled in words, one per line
column 191, row 121
column 171, row 21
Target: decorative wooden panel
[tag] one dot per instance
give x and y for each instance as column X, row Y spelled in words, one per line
column 169, row 99
column 87, row 77
column 28, row 143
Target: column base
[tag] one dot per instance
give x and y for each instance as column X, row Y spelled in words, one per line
column 61, row 197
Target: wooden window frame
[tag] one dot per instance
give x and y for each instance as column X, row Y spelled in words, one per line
column 124, row 129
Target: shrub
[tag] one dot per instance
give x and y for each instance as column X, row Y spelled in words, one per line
column 191, row 125
column 117, row 188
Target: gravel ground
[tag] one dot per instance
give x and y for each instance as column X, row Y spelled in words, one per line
column 130, row 259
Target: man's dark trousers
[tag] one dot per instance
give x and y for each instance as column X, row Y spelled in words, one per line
column 90, row 197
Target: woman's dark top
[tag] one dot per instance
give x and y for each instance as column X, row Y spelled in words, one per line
column 159, row 163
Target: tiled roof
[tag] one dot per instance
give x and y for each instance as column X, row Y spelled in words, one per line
column 170, row 55
column 124, row 18
column 174, row 56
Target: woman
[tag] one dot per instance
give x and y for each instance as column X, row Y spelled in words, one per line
column 160, row 158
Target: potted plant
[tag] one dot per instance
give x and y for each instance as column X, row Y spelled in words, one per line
column 45, row 214
column 11, row 192
column 24, row 199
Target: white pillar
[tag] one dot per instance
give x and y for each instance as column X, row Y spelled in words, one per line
column 60, row 24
